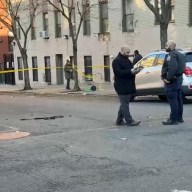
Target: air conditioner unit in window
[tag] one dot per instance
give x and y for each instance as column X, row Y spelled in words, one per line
column 44, row 34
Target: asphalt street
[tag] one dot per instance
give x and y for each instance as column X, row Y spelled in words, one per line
column 74, row 146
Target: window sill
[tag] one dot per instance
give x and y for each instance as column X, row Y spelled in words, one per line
column 129, row 31
column 104, row 36
column 103, row 33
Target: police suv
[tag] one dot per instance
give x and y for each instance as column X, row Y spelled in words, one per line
column 148, row 81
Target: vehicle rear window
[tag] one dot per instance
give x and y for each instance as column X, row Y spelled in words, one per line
column 188, row 57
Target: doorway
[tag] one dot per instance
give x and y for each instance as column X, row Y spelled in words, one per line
column 47, row 70
column 88, row 68
column 107, row 76
column 59, row 69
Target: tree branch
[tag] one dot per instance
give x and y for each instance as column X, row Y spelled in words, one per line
column 153, row 9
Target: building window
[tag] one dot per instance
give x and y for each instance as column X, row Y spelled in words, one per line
column 10, row 43
column 172, row 14
column 128, row 16
column 17, row 28
column 20, row 68
column 33, row 30
column 86, row 19
column 45, row 21
column 172, row 11
column 190, row 13
column 57, row 24
column 73, row 20
column 103, row 10
column 35, row 68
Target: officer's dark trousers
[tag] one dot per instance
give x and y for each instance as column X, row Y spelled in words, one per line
column 124, row 112
column 68, row 84
column 173, row 92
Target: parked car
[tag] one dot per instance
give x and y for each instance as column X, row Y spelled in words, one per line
column 148, row 81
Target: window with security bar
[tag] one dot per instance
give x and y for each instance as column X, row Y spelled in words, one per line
column 128, row 16
column 104, row 21
column 86, row 18
column 45, row 21
column 57, row 24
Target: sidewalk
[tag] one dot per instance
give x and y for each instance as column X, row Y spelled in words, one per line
column 104, row 89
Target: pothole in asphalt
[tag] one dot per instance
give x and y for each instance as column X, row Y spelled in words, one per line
column 13, row 135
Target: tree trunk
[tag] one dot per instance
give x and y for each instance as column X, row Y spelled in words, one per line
column 27, row 85
column 163, row 34
column 76, row 86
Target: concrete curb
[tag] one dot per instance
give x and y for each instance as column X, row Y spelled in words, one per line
column 64, row 94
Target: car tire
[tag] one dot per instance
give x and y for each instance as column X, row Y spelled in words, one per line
column 162, row 97
column 132, row 98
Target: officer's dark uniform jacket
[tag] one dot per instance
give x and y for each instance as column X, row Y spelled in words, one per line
column 137, row 58
column 173, row 66
column 124, row 79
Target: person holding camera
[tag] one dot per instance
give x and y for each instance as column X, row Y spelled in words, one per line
column 124, row 84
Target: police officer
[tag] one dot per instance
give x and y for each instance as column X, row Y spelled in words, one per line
column 124, row 77
column 171, row 74
column 137, row 57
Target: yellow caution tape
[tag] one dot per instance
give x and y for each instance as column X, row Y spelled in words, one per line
column 46, row 68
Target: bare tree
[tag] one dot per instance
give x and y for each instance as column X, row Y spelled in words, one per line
column 163, row 15
column 68, row 10
column 18, row 16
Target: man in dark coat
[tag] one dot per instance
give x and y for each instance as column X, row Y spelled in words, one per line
column 124, row 77
column 68, row 69
column 137, row 57
column 172, row 71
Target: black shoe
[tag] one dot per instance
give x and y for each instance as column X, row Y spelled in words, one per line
column 133, row 123
column 180, row 121
column 120, row 123
column 170, row 122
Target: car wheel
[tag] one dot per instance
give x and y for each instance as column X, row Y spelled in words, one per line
column 162, row 97
column 132, row 98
